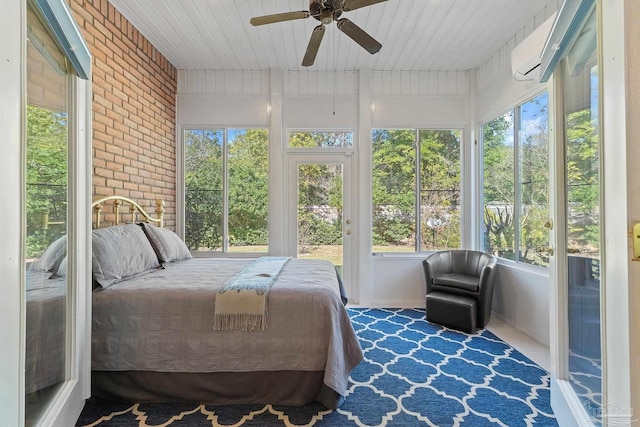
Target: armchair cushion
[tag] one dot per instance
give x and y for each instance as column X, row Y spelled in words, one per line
column 461, row 281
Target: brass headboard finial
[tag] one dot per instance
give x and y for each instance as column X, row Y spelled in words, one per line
column 133, row 209
column 116, row 209
column 160, row 211
column 98, row 208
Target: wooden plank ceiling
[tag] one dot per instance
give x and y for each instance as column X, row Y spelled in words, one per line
column 434, row 35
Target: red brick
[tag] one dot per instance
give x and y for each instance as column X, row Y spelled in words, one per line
column 133, row 108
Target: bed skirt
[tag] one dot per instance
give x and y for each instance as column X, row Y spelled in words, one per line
column 288, row 388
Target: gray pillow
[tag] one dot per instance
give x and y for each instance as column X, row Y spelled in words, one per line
column 168, row 246
column 120, row 252
column 62, row 269
column 51, row 257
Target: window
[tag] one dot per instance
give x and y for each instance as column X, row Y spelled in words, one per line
column 515, row 183
column 416, row 182
column 226, row 190
column 315, row 139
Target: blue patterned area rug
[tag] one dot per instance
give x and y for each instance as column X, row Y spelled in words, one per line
column 415, row 373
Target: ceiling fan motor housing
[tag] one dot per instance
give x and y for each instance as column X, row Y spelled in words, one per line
column 327, row 10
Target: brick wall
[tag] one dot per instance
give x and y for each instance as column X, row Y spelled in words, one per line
column 134, row 94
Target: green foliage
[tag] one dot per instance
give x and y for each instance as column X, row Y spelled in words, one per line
column 314, row 231
column 498, row 161
column 247, row 172
column 46, row 169
column 249, row 188
column 394, row 187
column 583, row 180
column 203, row 189
column 319, row 205
column 440, row 188
column 320, row 139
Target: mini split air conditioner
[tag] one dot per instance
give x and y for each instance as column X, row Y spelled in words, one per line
column 525, row 57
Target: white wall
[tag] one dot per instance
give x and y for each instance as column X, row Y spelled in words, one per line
column 521, row 298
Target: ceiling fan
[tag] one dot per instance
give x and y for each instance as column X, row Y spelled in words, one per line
column 327, row 11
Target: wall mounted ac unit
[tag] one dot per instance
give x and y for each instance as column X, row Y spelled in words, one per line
column 525, row 57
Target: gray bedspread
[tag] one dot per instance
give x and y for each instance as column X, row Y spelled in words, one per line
column 45, row 330
column 162, row 321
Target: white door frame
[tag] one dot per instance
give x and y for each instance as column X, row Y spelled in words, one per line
column 349, row 230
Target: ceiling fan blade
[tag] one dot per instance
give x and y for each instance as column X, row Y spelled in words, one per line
column 279, row 17
column 358, row 35
column 357, row 4
column 313, row 46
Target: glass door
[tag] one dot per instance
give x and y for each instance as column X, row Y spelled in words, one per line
column 47, row 290
column 55, row 221
column 320, row 206
column 582, row 254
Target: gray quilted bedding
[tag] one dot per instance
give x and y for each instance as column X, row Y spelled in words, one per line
column 162, row 321
column 45, row 330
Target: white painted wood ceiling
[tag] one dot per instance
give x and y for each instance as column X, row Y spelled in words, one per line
column 434, row 35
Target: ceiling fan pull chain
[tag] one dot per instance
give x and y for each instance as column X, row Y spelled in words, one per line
column 335, row 69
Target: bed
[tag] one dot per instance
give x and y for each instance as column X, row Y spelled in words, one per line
column 153, row 313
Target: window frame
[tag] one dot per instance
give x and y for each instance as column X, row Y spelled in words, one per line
column 418, row 188
column 181, row 196
column 518, row 133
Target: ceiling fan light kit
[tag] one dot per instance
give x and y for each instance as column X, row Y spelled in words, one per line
column 327, row 11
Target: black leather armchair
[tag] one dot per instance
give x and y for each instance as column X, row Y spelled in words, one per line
column 460, row 288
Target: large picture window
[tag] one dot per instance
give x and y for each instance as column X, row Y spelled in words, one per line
column 515, row 183
column 226, row 190
column 416, row 181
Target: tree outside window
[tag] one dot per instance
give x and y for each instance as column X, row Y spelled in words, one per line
column 226, row 190
column 47, row 140
column 416, row 208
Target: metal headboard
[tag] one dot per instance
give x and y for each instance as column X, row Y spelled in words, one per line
column 134, row 210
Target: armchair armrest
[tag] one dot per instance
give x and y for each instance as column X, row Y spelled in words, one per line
column 486, row 277
column 485, row 292
column 433, row 266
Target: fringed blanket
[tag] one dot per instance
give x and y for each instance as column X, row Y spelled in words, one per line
column 241, row 303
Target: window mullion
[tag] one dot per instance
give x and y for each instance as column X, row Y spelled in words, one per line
column 225, row 192
column 418, row 193
column 517, row 135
